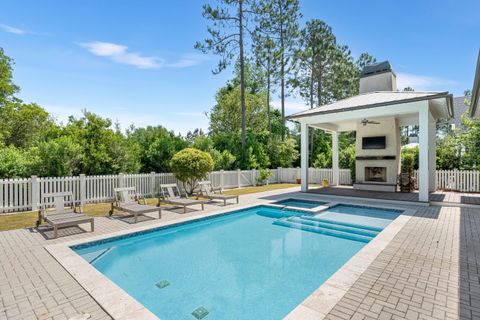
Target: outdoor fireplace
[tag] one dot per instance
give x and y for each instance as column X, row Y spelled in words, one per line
column 376, row 174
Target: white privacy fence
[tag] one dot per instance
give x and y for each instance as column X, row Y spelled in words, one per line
column 26, row 194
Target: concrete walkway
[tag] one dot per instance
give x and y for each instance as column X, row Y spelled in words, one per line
column 430, row 269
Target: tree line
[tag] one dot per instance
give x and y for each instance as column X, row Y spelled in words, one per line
column 272, row 52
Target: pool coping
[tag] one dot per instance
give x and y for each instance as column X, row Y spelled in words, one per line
column 120, row 305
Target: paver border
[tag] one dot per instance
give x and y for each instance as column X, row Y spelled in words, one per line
column 120, row 305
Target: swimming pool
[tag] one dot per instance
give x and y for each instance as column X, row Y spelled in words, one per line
column 256, row 263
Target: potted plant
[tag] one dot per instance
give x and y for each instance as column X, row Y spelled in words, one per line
column 263, row 175
column 325, row 182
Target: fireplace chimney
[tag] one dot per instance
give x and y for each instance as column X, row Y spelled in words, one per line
column 378, row 77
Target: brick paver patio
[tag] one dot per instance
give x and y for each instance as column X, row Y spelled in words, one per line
column 429, row 271
column 439, row 196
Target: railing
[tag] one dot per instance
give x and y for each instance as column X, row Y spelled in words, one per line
column 26, row 194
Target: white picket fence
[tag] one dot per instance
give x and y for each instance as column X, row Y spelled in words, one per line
column 26, row 194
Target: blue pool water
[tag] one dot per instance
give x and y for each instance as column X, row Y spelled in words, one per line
column 300, row 203
column 258, row 263
column 366, row 216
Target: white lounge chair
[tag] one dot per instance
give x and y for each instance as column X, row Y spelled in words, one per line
column 64, row 213
column 208, row 192
column 170, row 193
column 127, row 200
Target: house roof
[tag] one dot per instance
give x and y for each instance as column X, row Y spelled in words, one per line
column 475, row 103
column 459, row 108
column 373, row 100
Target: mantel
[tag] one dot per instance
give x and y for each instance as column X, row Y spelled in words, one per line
column 375, row 157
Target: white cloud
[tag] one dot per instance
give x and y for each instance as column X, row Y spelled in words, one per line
column 11, row 29
column 420, row 82
column 188, row 60
column 121, row 54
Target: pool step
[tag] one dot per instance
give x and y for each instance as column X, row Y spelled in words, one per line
column 341, row 223
column 333, row 226
column 94, row 256
column 329, row 232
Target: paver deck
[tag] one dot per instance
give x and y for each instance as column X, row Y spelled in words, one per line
column 430, row 270
column 437, row 196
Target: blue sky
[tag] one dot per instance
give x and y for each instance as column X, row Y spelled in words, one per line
column 134, row 61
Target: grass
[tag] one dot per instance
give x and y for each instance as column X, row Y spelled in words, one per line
column 270, row 187
column 28, row 219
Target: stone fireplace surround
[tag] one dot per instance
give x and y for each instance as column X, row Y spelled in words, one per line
column 384, row 179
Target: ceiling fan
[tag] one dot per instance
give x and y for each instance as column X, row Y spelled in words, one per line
column 366, row 121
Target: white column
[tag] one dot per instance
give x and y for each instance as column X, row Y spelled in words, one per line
column 304, row 156
column 423, row 140
column 432, row 152
column 335, row 169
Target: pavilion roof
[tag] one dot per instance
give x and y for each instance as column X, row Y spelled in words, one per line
column 373, row 100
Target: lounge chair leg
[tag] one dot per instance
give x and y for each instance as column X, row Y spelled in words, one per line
column 39, row 221
column 184, row 209
column 111, row 210
column 92, row 227
column 237, row 200
column 159, row 213
column 55, row 232
column 224, row 202
column 203, row 206
column 135, row 215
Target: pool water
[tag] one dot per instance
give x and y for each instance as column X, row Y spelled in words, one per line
column 257, row 263
column 300, row 203
column 366, row 216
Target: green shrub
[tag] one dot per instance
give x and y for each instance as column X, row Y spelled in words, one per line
column 190, row 166
column 408, row 160
column 223, row 160
column 15, row 162
column 263, row 175
column 414, row 152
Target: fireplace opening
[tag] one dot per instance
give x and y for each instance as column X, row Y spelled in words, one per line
column 376, row 174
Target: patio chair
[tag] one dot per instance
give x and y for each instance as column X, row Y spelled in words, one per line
column 127, row 200
column 206, row 190
column 170, row 193
column 64, row 213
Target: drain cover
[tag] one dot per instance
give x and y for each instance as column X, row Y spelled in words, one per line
column 200, row 313
column 162, row 284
